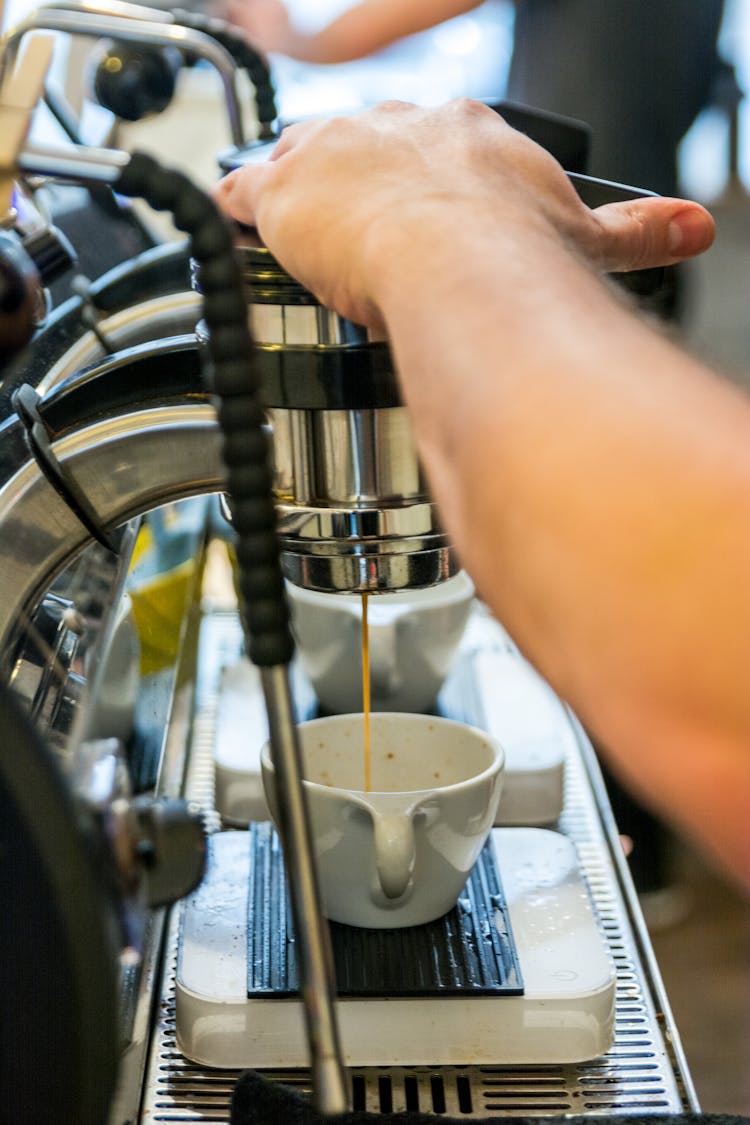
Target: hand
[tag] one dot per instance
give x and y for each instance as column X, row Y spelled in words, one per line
column 339, row 195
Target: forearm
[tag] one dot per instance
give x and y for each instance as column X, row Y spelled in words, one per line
column 371, row 26
column 597, row 485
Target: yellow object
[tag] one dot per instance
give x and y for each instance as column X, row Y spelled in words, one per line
column 159, row 602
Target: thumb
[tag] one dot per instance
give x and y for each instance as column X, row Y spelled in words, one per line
column 642, row 233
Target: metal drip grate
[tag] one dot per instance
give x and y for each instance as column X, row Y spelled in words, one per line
column 643, row 1073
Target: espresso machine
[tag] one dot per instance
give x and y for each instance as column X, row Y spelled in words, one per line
column 545, row 999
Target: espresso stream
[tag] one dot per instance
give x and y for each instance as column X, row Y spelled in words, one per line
column 366, row 693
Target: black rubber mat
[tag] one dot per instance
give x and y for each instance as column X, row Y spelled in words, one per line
column 469, row 951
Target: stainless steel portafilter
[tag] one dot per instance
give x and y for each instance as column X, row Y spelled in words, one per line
column 354, row 512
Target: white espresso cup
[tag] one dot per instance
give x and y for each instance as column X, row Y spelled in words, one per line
column 413, row 638
column 400, row 853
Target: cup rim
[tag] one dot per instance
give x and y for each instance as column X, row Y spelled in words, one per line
column 495, row 767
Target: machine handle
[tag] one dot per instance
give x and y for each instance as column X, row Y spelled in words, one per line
column 595, row 192
column 657, row 282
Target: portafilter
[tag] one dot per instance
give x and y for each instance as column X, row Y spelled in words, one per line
column 354, row 512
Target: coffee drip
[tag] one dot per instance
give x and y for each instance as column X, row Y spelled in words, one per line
column 366, row 695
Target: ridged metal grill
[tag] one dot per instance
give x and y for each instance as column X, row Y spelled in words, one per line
column 643, row 1073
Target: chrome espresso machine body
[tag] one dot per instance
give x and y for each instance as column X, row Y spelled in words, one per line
column 109, row 556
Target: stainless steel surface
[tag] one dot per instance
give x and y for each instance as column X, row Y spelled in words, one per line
column 163, row 34
column 131, row 463
column 65, row 644
column 291, row 448
column 643, row 1073
column 314, row 956
column 339, row 458
column 339, row 550
column 354, row 512
column 354, row 509
column 357, row 526
column 79, row 165
column 303, row 325
column 172, row 315
column 405, row 569
column 44, row 659
column 172, row 704
column 365, row 458
column 125, row 466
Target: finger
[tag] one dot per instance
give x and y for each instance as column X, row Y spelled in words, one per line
column 650, row 232
column 237, row 193
column 291, row 135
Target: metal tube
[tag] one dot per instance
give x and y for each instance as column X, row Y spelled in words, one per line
column 163, row 34
column 81, row 165
column 329, row 1083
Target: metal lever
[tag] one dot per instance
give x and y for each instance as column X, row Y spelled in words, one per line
column 81, row 22
column 595, row 192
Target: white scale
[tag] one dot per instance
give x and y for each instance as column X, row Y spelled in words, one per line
column 566, row 1011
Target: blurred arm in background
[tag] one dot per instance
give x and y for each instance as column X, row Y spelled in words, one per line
column 361, row 30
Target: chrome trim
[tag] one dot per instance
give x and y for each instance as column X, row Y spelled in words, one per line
column 125, row 466
column 309, row 324
column 349, row 526
column 364, row 457
column 171, row 315
column 348, row 574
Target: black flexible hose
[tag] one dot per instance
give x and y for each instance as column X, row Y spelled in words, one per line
column 235, row 383
column 245, row 56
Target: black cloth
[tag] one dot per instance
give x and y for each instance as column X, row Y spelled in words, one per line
column 256, row 1101
column 637, row 71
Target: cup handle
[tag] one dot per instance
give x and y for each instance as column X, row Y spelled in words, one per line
column 395, row 849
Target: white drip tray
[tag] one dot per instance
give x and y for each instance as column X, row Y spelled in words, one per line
column 494, row 689
column 565, row 1015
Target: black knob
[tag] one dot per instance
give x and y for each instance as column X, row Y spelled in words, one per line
column 170, row 846
column 51, row 252
column 21, row 297
column 135, row 82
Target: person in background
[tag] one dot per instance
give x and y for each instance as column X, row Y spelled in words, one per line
column 360, row 30
column 594, row 478
column 638, row 72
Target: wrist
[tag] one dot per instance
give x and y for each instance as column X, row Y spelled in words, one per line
column 415, row 250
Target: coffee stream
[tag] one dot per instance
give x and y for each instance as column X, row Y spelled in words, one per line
column 366, row 692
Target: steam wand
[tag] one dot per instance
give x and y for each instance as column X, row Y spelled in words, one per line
column 264, row 609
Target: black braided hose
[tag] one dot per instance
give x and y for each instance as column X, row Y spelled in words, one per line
column 234, row 381
column 245, row 56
